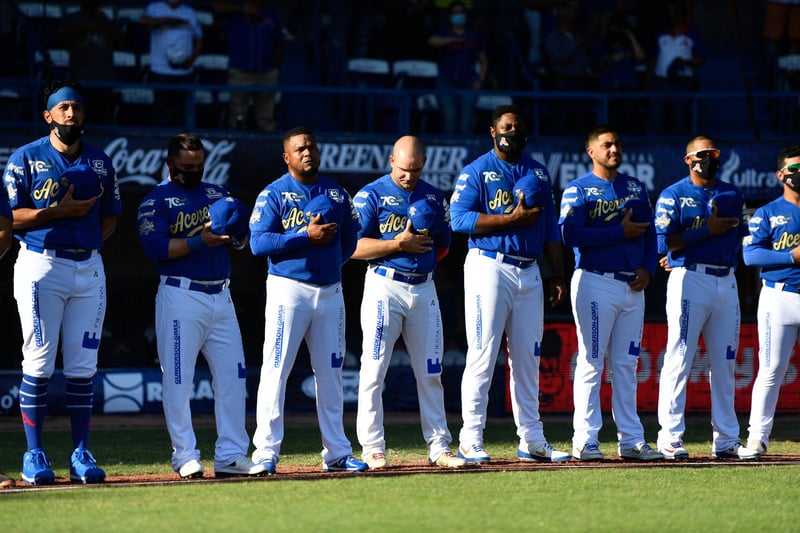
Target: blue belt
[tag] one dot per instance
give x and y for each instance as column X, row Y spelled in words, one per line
column 213, row 288
column 627, row 277
column 411, row 279
column 521, row 263
column 719, row 272
column 75, row 255
column 782, row 286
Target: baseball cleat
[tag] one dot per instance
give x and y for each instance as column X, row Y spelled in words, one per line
column 376, row 461
column 447, row 459
column 737, row 451
column 674, row 450
column 348, row 463
column 191, row 469
column 240, row 467
column 757, row 445
column 83, row 468
column 640, row 452
column 36, row 468
column 474, row 454
column 269, row 466
column 589, row 452
column 541, row 451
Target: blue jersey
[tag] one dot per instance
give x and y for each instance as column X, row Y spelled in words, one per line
column 487, row 186
column 774, row 232
column 278, row 230
column 591, row 212
column 171, row 212
column 683, row 207
column 383, row 212
column 32, row 181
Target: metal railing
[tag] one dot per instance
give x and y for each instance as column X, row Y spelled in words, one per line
column 760, row 115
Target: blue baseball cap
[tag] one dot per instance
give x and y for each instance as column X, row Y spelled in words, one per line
column 641, row 209
column 331, row 209
column 229, row 216
column 729, row 204
column 85, row 180
column 531, row 187
column 425, row 213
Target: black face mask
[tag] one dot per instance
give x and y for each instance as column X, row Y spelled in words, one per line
column 793, row 181
column 188, row 179
column 69, row 134
column 707, row 168
column 511, row 143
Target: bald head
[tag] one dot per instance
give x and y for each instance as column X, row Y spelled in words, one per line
column 407, row 160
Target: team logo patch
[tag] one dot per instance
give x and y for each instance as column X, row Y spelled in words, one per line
column 146, row 227
column 662, row 222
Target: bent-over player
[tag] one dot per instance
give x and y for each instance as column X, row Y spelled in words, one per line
column 400, row 298
column 194, row 310
column 615, row 259
column 773, row 246
column 503, row 290
column 700, row 223
column 65, row 199
column 306, row 225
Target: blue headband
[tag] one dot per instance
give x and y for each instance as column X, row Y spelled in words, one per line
column 62, row 95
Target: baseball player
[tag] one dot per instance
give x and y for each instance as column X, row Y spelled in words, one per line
column 772, row 246
column 702, row 244
column 194, row 310
column 503, row 289
column 5, row 243
column 307, row 226
column 615, row 258
column 65, row 199
column 400, row 298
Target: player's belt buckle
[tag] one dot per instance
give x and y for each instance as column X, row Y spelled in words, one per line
column 621, row 275
column 411, row 279
column 207, row 288
column 711, row 270
column 503, row 258
column 782, row 286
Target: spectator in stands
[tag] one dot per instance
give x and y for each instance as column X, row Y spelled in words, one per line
column 91, row 38
column 619, row 56
column 782, row 26
column 462, row 65
column 175, row 43
column 569, row 68
column 255, row 52
column 679, row 51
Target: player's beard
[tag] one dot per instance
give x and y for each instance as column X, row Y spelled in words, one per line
column 309, row 172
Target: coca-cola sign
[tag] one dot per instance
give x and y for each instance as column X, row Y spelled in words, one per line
column 145, row 166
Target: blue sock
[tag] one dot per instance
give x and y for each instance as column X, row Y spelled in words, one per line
column 32, row 407
column 78, row 397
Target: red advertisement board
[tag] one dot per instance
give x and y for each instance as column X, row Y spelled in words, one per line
column 559, row 349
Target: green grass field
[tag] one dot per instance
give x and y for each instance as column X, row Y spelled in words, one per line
column 730, row 498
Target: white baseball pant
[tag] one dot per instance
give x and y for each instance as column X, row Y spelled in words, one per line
column 388, row 309
column 499, row 297
column 609, row 317
column 778, row 331
column 187, row 323
column 700, row 303
column 295, row 311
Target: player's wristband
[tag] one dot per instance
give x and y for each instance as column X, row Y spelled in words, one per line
column 696, row 235
column 195, row 243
